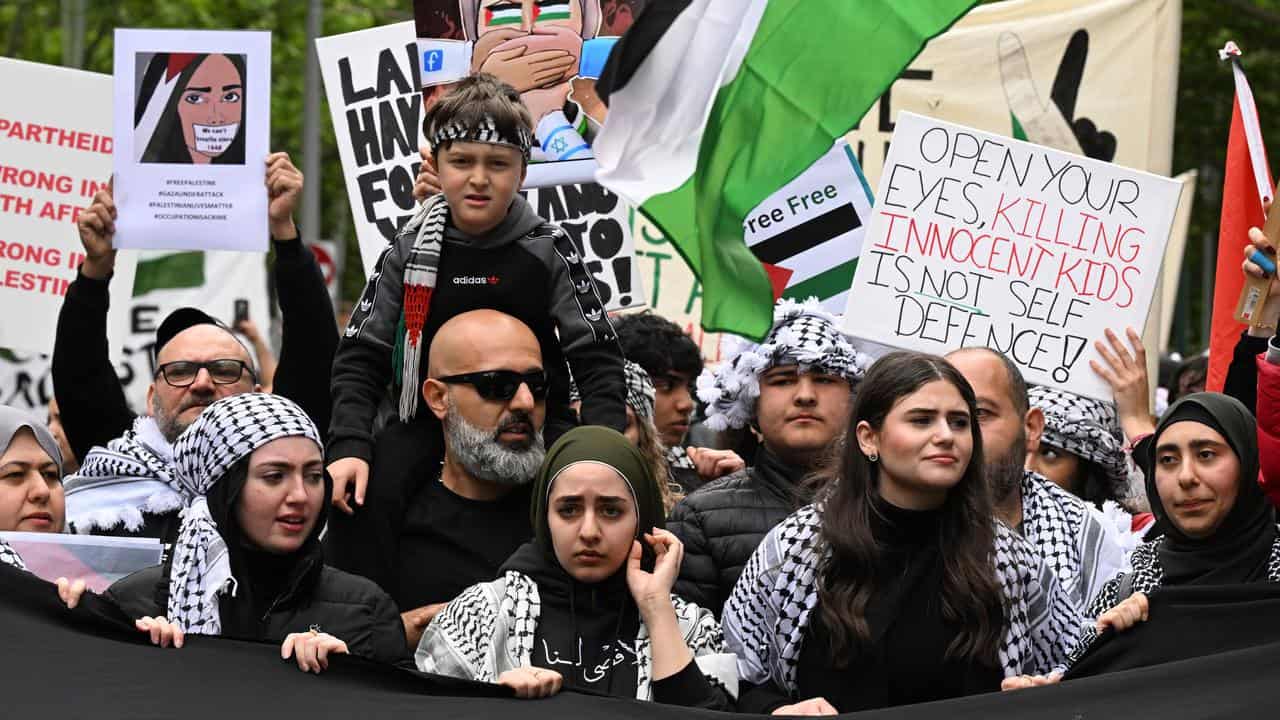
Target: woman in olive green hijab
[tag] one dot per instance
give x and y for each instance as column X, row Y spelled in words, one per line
column 587, row 604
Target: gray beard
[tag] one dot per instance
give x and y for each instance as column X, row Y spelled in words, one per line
column 484, row 457
column 1005, row 473
column 170, row 427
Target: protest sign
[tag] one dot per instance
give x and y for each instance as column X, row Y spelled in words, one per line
column 192, row 123
column 53, row 158
column 809, row 233
column 552, row 52
column 979, row 240
column 98, row 560
column 599, row 222
column 372, row 83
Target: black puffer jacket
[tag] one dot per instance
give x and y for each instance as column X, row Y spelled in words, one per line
column 348, row 607
column 722, row 523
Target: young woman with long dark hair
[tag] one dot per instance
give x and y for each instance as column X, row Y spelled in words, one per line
column 898, row 585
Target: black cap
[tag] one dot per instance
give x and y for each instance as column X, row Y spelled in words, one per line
column 181, row 319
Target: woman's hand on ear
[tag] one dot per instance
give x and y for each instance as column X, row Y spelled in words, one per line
column 651, row 589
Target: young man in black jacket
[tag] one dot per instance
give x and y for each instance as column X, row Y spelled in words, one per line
column 799, row 402
column 123, row 487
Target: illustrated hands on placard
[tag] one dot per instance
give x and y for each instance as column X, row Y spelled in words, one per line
column 1097, row 144
column 1052, row 123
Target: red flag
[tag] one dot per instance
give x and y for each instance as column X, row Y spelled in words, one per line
column 1246, row 184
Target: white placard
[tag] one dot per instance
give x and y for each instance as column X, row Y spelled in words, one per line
column 981, row 240
column 600, row 224
column 53, row 157
column 192, row 119
column 372, row 82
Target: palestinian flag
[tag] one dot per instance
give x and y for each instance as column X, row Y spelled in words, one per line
column 715, row 105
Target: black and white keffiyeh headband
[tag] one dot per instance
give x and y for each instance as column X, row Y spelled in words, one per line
column 225, row 433
column 1082, row 426
column 486, row 131
column 803, row 334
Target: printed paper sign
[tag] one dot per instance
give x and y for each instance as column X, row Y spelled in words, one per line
column 600, row 224
column 371, row 80
column 54, row 156
column 980, row 240
column 98, row 560
column 192, row 120
column 551, row 52
column 809, row 233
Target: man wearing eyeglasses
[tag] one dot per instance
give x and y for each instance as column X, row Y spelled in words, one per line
column 124, row 485
column 487, row 386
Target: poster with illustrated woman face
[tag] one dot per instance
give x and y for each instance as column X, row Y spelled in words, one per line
column 192, row 122
column 189, row 108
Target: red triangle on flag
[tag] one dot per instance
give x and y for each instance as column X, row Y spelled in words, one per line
column 778, row 278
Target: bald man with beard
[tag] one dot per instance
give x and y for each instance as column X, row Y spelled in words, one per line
column 467, row 504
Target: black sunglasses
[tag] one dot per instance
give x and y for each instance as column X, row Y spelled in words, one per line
column 502, row 384
column 182, row 373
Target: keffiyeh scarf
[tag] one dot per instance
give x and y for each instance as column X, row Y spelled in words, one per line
column 803, row 334
column 118, row 483
column 1083, row 427
column 225, row 433
column 1072, row 537
column 420, row 269
column 766, row 616
column 9, row 556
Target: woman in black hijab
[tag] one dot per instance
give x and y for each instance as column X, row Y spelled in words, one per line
column 587, row 605
column 1201, row 468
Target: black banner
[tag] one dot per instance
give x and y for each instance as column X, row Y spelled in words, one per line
column 89, row 663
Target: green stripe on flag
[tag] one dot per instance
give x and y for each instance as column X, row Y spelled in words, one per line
column 179, row 270
column 797, row 90
column 1018, row 132
column 825, row 284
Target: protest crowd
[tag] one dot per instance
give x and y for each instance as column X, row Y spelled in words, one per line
column 509, row 483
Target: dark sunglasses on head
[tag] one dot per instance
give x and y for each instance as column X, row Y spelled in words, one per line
column 182, row 373
column 502, row 384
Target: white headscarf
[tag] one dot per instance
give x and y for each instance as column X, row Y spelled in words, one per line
column 225, row 433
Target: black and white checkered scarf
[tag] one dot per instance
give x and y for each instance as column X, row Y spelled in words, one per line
column 766, row 616
column 803, row 334
column 1084, row 427
column 225, row 433
column 116, row 484
column 9, row 556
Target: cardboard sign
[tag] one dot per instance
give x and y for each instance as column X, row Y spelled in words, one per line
column 192, row 126
column 600, row 224
column 980, row 240
column 809, row 233
column 54, row 157
column 371, row 80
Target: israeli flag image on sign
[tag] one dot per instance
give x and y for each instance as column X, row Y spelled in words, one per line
column 443, row 61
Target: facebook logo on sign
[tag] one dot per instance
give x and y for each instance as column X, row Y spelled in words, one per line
column 432, row 60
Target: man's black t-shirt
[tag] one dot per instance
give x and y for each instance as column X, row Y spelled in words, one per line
column 449, row 542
